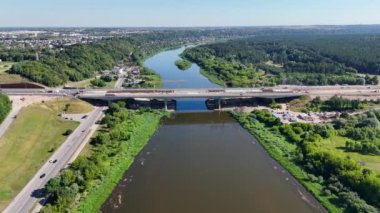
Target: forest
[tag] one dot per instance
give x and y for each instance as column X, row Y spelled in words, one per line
column 5, row 107
column 341, row 183
column 82, row 61
column 73, row 63
column 292, row 59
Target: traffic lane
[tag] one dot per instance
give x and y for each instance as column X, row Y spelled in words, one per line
column 51, row 171
column 8, row 120
column 26, row 198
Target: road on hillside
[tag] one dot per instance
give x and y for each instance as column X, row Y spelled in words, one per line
column 27, row 198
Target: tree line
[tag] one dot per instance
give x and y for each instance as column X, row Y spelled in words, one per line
column 5, row 107
column 295, row 59
column 344, row 182
column 91, row 178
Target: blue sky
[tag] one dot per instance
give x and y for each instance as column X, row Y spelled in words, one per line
column 136, row 13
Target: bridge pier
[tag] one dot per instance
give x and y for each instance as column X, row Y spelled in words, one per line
column 219, row 104
column 166, row 104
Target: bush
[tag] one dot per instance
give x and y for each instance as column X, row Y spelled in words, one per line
column 68, row 132
column 106, row 78
column 98, row 83
column 5, row 107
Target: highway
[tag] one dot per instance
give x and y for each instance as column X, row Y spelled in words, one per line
column 168, row 94
column 276, row 92
column 9, row 119
column 24, row 201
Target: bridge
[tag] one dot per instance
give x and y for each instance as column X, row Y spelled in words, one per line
column 218, row 94
column 166, row 95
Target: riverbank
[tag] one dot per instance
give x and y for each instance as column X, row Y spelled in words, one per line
column 277, row 147
column 147, row 125
column 94, row 174
column 191, row 157
column 299, row 150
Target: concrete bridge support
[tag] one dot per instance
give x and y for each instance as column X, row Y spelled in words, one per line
column 166, row 104
column 219, row 104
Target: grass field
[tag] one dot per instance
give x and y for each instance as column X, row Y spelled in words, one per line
column 30, row 140
column 4, row 66
column 337, row 144
column 75, row 106
column 10, row 78
column 87, row 84
column 299, row 104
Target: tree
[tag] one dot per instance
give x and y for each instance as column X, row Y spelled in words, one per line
column 68, row 132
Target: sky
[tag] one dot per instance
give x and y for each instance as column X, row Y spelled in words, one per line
column 184, row 13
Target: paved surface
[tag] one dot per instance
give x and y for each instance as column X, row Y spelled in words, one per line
column 119, row 83
column 25, row 200
column 272, row 92
column 169, row 94
column 9, row 119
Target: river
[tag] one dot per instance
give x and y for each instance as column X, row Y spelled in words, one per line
column 204, row 162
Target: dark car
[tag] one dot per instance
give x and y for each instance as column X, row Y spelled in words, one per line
column 55, row 161
column 84, row 117
column 43, row 175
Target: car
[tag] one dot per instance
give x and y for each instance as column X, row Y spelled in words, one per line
column 43, row 175
column 55, row 161
column 85, row 116
column 83, row 130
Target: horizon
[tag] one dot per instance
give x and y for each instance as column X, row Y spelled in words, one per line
column 192, row 13
column 184, row 27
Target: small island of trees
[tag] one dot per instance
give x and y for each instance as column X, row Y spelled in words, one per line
column 183, row 64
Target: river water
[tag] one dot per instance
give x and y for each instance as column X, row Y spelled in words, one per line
column 204, row 162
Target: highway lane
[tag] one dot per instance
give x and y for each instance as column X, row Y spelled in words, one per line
column 270, row 92
column 24, row 201
column 9, row 119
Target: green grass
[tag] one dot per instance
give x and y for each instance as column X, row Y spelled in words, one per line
column 11, row 78
column 152, row 81
column 299, row 104
column 76, row 106
column 87, row 84
column 4, row 66
column 110, row 84
column 337, row 144
column 183, row 64
column 212, row 77
column 28, row 143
